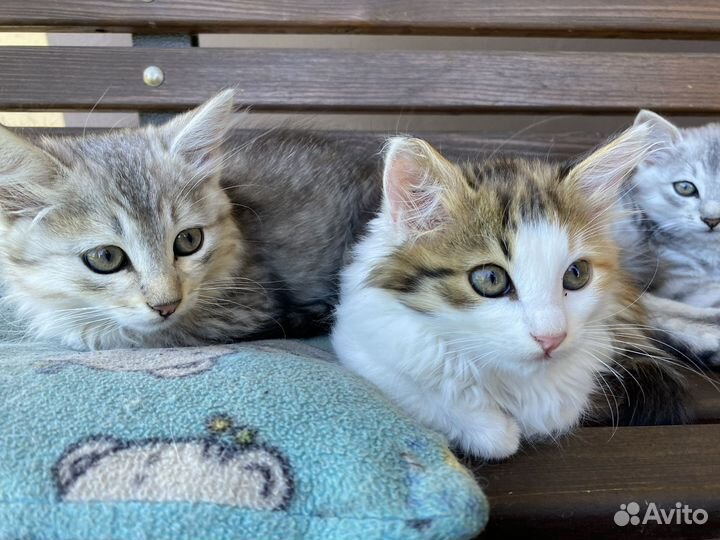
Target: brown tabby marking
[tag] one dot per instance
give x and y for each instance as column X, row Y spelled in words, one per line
column 489, row 202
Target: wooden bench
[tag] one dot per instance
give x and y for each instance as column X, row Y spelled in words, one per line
column 568, row 489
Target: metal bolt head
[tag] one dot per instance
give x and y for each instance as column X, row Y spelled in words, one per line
column 153, row 76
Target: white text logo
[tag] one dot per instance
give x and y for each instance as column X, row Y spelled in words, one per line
column 680, row 514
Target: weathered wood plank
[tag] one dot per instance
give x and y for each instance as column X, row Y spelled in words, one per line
column 334, row 80
column 573, row 489
column 629, row 18
column 551, row 145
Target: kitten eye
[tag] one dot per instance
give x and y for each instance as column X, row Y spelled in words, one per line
column 105, row 259
column 685, row 188
column 188, row 242
column 490, row 281
column 577, row 275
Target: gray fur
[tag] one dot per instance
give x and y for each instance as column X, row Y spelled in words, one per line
column 278, row 213
column 668, row 247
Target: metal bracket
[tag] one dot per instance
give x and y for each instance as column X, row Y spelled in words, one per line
column 154, row 75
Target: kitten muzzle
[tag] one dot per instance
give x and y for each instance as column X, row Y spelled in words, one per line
column 550, row 342
column 711, row 222
column 165, row 310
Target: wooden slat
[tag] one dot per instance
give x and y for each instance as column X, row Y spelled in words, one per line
column 553, row 145
column 279, row 79
column 568, row 18
column 574, row 488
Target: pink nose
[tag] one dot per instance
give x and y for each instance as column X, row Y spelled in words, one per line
column 165, row 310
column 550, row 343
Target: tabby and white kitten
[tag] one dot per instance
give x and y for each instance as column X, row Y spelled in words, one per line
column 488, row 301
column 182, row 234
column 671, row 238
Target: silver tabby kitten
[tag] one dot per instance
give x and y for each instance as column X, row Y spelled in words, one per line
column 181, row 234
column 672, row 239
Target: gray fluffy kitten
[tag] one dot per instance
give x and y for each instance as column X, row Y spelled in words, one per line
column 672, row 234
column 181, row 234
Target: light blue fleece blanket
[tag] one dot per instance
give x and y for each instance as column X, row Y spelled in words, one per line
column 262, row 440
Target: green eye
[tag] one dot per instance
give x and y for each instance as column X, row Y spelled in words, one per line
column 188, row 242
column 577, row 275
column 490, row 281
column 105, row 259
column 685, row 188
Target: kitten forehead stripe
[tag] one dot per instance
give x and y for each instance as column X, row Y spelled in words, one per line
column 505, row 247
column 410, row 280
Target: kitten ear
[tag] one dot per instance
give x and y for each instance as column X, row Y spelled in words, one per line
column 414, row 180
column 662, row 134
column 661, row 129
column 602, row 174
column 198, row 135
column 26, row 176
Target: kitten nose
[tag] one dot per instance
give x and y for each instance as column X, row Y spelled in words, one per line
column 550, row 343
column 165, row 310
column 711, row 222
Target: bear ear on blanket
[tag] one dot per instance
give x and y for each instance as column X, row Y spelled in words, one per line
column 268, row 438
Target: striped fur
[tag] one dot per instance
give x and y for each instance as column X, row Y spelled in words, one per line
column 668, row 242
column 278, row 212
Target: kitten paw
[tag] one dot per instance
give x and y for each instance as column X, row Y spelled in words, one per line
column 697, row 342
column 490, row 436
